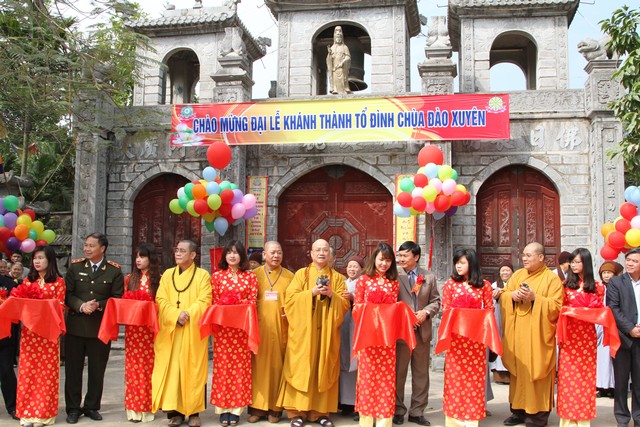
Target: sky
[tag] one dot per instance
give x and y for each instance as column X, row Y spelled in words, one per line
column 258, row 19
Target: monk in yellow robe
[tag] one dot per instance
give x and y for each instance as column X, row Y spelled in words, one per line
column 315, row 308
column 530, row 307
column 266, row 369
column 180, row 366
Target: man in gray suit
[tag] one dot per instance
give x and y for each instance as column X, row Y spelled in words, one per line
column 623, row 296
column 419, row 291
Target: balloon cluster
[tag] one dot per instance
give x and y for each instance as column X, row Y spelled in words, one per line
column 219, row 203
column 433, row 189
column 19, row 229
column 624, row 232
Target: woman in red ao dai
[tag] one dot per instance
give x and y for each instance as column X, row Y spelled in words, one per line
column 376, row 384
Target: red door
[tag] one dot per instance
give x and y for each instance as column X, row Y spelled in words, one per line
column 517, row 205
column 340, row 204
column 154, row 223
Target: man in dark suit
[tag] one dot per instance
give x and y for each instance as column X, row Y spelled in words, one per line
column 8, row 353
column 418, row 289
column 90, row 281
column 623, row 297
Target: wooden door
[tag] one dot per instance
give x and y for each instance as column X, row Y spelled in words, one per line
column 517, row 205
column 340, row 204
column 153, row 222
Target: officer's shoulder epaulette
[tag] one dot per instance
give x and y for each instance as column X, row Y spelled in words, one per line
column 77, row 260
column 115, row 264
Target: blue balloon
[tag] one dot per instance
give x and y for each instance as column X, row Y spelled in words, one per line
column 635, row 197
column 401, row 211
column 629, row 191
column 431, row 170
column 209, row 174
column 438, row 215
column 213, row 187
column 221, row 225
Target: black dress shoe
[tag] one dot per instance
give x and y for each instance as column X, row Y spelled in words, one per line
column 13, row 415
column 398, row 419
column 93, row 414
column 513, row 421
column 421, row 420
column 72, row 417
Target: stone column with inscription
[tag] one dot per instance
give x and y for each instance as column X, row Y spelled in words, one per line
column 607, row 175
column 233, row 83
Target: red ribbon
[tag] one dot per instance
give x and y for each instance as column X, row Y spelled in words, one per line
column 477, row 324
column 382, row 325
column 127, row 312
column 43, row 317
column 599, row 316
column 240, row 316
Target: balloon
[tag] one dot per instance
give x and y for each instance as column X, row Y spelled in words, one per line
column 181, row 193
column 220, row 225
column 225, row 210
column 454, row 174
column 13, row 244
column 442, row 203
column 461, row 187
column 188, row 188
column 420, row 180
column 33, row 235
column 430, row 208
column 209, row 225
column 445, row 172
column 209, row 217
column 608, row 253
column 214, row 201
column 635, row 222
column 191, row 208
column 233, row 186
column 237, row 197
column 419, row 204
column 25, row 220
column 238, row 210
column 448, row 187
column 401, row 211
column 437, row 184
column 622, row 225
column 429, row 193
column 628, row 192
column 438, row 215
column 458, row 198
column 417, row 192
column 251, row 212
column 200, row 206
column 11, row 203
column 209, row 173
column 616, row 240
column 431, row 170
column 199, row 191
column 21, row 231
column 38, row 226
column 5, row 233
column 249, row 201
column 607, row 228
column 628, row 210
column 451, row 211
column 404, row 199
column 27, row 246
column 406, row 184
column 430, row 154
column 632, row 237
column 10, row 220
column 213, row 188
column 225, row 185
column 226, row 196
column 31, row 213
column 467, row 198
column 633, row 195
column 219, row 155
column 174, row 207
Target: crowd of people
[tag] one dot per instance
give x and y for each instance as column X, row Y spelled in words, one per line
column 329, row 342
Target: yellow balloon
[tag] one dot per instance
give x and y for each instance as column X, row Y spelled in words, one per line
column 462, row 188
column 24, row 219
column 429, row 193
column 607, row 228
column 632, row 237
column 38, row 226
column 421, row 170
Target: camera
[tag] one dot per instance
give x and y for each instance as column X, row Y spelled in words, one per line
column 525, row 286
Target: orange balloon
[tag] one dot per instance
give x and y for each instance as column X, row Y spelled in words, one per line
column 199, row 191
column 21, row 231
column 607, row 228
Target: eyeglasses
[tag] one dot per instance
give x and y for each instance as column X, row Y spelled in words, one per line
column 180, row 251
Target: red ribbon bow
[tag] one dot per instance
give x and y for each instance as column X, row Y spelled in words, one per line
column 139, row 295
column 588, row 300
column 418, row 284
column 27, row 291
column 379, row 296
column 466, row 301
column 229, row 298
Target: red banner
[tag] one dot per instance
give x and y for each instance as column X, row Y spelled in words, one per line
column 402, row 118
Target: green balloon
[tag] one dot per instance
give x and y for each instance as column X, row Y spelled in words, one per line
column 209, row 226
column 48, row 236
column 406, row 184
column 182, row 201
column 11, row 203
column 190, row 209
column 214, row 201
column 234, row 186
column 225, row 185
column 188, row 190
column 174, row 206
column 454, row 175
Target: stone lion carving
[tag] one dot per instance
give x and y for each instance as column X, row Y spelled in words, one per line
column 438, row 34
column 593, row 49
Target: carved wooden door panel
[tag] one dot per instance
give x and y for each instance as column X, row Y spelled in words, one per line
column 340, row 204
column 154, row 223
column 516, row 206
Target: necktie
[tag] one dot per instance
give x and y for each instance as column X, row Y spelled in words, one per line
column 414, row 297
column 95, row 267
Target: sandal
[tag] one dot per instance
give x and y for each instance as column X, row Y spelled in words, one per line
column 233, row 420
column 325, row 422
column 297, row 422
column 224, row 418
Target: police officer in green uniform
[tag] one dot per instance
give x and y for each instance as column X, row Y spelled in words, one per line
column 90, row 281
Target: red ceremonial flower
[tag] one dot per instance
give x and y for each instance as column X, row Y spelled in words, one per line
column 229, row 298
column 418, row 284
column 466, row 301
column 378, row 296
column 139, row 295
column 27, row 291
column 588, row 300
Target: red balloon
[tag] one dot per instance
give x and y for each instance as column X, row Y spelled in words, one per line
column 31, row 213
column 226, row 196
column 225, row 211
column 467, row 198
column 628, row 210
column 430, row 154
column 623, row 225
column 219, row 155
column 458, row 198
column 608, row 253
column 41, row 243
column 201, row 206
column 419, row 204
column 420, row 180
column 5, row 233
column 442, row 203
column 616, row 240
column 404, row 199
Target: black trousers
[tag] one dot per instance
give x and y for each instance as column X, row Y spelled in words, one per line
column 8, row 380
column 625, row 364
column 97, row 353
